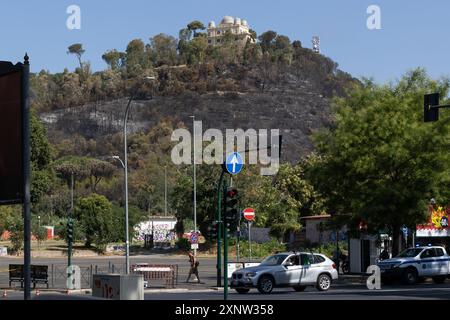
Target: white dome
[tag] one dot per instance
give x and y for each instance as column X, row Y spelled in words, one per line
column 237, row 21
column 244, row 23
column 227, row 19
column 211, row 24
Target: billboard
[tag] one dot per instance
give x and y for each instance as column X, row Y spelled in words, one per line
column 438, row 223
column 11, row 164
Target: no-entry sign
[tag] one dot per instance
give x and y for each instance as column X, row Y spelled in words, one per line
column 249, row 214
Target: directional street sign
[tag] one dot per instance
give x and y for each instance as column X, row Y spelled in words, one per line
column 249, row 214
column 234, row 163
column 194, row 238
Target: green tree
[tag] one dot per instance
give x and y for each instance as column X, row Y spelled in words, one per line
column 164, row 49
column 42, row 174
column 380, row 163
column 136, row 57
column 77, row 50
column 114, row 59
column 267, row 40
column 194, row 26
column 96, row 220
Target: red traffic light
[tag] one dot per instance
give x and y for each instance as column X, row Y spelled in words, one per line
column 232, row 192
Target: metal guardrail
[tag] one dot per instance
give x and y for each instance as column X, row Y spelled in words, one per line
column 151, row 272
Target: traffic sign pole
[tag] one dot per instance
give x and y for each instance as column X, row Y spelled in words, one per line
column 250, row 240
column 219, row 229
column 225, row 255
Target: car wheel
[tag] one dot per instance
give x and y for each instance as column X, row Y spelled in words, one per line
column 410, row 276
column 299, row 288
column 323, row 282
column 265, row 284
column 439, row 280
column 242, row 290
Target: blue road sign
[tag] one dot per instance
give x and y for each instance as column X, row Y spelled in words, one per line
column 405, row 231
column 194, row 238
column 234, row 163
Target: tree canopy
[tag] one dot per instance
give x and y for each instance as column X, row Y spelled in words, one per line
column 380, row 163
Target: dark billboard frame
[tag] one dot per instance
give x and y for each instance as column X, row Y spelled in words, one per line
column 6, row 69
column 11, row 186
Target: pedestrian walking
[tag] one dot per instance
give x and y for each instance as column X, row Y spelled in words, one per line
column 194, row 267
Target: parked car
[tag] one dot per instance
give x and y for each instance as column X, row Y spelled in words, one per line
column 413, row 264
column 296, row 270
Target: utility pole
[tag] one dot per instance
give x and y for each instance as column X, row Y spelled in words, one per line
column 165, row 191
column 195, row 184
column 39, row 233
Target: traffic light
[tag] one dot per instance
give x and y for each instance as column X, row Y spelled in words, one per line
column 431, row 114
column 213, row 229
column 70, row 230
column 231, row 212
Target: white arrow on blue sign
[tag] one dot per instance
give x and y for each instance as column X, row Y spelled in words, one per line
column 234, row 163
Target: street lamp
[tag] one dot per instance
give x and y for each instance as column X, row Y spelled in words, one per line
column 165, row 190
column 39, row 232
column 125, row 166
column 195, row 185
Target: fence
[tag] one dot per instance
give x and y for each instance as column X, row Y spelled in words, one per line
column 57, row 274
column 157, row 274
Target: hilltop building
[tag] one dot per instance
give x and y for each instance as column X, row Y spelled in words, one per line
column 239, row 28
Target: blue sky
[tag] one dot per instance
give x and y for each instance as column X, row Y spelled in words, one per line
column 414, row 32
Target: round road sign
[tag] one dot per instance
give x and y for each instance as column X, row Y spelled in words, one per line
column 194, row 238
column 249, row 214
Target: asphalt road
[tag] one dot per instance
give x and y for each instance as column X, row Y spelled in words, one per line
column 345, row 290
column 398, row 292
column 104, row 264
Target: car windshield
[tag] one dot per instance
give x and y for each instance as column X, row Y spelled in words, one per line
column 274, row 260
column 409, row 253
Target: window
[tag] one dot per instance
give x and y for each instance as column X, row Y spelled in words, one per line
column 306, row 259
column 209, row 41
column 318, row 259
column 439, row 252
column 409, row 253
column 427, row 254
column 218, row 40
column 274, row 260
column 218, row 31
column 293, row 261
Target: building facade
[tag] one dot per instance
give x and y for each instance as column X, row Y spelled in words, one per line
column 239, row 29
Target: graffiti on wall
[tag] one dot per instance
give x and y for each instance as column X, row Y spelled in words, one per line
column 162, row 232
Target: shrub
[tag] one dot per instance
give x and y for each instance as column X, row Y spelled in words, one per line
column 259, row 250
column 183, row 244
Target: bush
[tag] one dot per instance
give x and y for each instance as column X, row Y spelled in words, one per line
column 329, row 248
column 259, row 250
column 15, row 227
column 183, row 244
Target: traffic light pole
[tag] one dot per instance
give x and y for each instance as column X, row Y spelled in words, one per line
column 70, row 237
column 219, row 229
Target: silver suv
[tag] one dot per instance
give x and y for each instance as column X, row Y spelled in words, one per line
column 296, row 270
